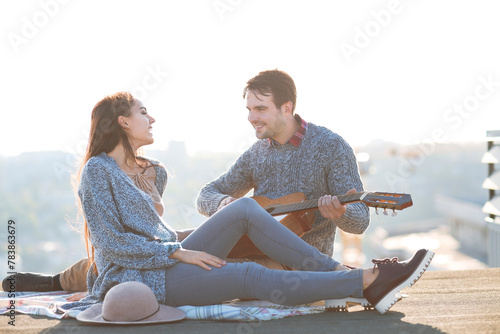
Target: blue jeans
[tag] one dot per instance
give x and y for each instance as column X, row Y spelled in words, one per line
column 188, row 284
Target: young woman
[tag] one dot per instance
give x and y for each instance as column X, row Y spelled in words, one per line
column 127, row 239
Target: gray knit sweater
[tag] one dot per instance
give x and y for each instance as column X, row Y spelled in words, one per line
column 132, row 243
column 324, row 163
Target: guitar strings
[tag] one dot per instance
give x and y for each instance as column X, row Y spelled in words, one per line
column 311, row 202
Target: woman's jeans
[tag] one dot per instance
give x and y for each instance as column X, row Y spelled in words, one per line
column 189, row 284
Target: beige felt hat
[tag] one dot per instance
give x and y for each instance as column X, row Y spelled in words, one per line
column 130, row 303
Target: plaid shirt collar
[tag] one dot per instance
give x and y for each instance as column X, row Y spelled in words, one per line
column 296, row 139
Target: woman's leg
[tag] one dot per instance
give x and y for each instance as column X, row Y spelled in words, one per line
column 219, row 234
column 189, row 284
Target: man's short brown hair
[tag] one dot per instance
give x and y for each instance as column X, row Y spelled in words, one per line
column 275, row 82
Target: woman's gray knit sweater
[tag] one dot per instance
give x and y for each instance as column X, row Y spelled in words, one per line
column 324, row 163
column 132, row 243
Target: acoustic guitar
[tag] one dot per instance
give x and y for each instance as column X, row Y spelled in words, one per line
column 296, row 213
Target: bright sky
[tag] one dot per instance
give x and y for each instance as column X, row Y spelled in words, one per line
column 400, row 71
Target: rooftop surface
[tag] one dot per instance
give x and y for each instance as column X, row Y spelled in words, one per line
column 466, row 301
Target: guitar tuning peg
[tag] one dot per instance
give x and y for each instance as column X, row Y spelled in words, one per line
column 394, row 213
column 376, row 210
column 385, row 212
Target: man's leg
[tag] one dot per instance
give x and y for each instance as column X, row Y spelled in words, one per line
column 219, row 234
column 74, row 278
column 71, row 279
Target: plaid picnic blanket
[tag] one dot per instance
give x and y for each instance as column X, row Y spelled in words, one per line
column 50, row 304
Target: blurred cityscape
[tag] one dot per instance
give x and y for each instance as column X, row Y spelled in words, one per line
column 444, row 181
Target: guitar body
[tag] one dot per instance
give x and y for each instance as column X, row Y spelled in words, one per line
column 298, row 222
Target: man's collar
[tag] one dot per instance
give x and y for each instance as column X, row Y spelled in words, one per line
column 297, row 137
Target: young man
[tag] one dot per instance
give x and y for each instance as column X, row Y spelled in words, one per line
column 291, row 156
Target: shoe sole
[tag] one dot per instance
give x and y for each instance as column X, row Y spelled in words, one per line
column 341, row 305
column 391, row 297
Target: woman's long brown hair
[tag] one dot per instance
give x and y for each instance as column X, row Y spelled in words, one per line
column 105, row 135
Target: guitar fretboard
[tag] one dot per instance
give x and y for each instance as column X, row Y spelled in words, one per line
column 311, row 204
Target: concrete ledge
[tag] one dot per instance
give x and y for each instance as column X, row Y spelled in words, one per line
column 440, row 302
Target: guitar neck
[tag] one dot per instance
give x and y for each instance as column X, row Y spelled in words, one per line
column 311, row 204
